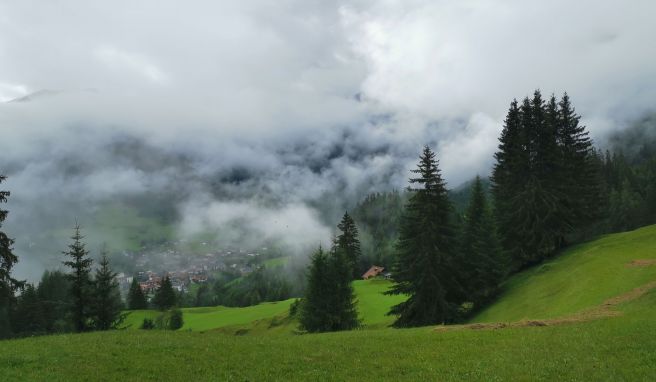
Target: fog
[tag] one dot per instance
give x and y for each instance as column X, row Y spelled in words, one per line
column 274, row 117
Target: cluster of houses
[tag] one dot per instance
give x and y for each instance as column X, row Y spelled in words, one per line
column 184, row 269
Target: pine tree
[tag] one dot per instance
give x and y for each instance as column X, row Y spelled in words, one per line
column 136, row 298
column 165, row 295
column 544, row 179
column 426, row 268
column 581, row 187
column 482, row 259
column 342, row 299
column 509, row 171
column 107, row 304
column 8, row 284
column 55, row 297
column 329, row 303
column 349, row 244
column 81, row 288
column 29, row 315
column 315, row 310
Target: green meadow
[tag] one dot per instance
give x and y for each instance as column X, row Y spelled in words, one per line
column 609, row 347
column 372, row 308
column 582, row 277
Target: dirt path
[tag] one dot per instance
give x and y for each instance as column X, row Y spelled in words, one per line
column 606, row 309
column 641, row 263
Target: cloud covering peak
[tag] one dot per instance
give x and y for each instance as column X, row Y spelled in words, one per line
column 283, row 104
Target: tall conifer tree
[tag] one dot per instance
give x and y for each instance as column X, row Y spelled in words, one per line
column 349, row 244
column 29, row 316
column 426, row 267
column 81, row 288
column 342, row 298
column 8, row 284
column 165, row 297
column 315, row 308
column 107, row 304
column 136, row 298
column 329, row 303
column 544, row 180
column 482, row 259
column 580, row 184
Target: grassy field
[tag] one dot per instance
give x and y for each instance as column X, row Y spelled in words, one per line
column 277, row 262
column 612, row 349
column 583, row 277
column 619, row 347
column 372, row 307
column 202, row 319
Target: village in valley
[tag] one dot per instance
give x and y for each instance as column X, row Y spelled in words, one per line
column 186, row 268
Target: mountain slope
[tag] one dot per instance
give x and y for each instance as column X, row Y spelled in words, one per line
column 582, row 277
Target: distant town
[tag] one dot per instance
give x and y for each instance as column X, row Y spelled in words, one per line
column 186, row 268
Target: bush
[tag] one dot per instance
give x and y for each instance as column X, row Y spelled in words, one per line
column 293, row 308
column 148, row 324
column 169, row 320
column 175, row 320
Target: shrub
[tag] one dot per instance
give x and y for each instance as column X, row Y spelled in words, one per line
column 293, row 308
column 148, row 324
column 175, row 319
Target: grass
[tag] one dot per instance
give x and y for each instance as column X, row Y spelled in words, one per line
column 277, row 262
column 372, row 306
column 582, row 277
column 207, row 318
column 618, row 348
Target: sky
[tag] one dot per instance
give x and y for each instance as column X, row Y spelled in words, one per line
column 284, row 103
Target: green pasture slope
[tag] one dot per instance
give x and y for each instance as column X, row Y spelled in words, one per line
column 618, row 348
column 207, row 318
column 584, row 276
column 277, row 262
column 372, row 307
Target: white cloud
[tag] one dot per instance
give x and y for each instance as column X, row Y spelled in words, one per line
column 9, row 92
column 239, row 223
column 297, row 101
column 117, row 59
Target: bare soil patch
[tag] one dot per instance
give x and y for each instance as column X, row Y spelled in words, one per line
column 641, row 263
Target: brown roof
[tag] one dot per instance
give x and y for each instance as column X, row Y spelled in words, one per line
column 373, row 272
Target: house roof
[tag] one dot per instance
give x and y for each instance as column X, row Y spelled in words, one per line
column 375, row 270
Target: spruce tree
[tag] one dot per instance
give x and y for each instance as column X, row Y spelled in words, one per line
column 509, row 171
column 342, row 299
column 349, row 244
column 536, row 212
column 107, row 304
column 581, row 188
column 81, row 288
column 136, row 298
column 544, row 182
column 426, row 267
column 55, row 297
column 29, row 317
column 315, row 308
column 165, row 297
column 483, row 262
column 8, row 284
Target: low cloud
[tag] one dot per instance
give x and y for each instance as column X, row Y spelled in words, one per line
column 297, row 108
column 251, row 224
